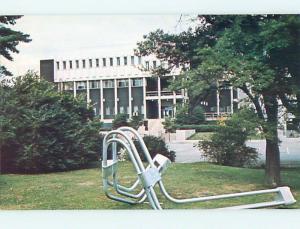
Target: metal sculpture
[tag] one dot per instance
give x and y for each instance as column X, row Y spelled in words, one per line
column 151, row 175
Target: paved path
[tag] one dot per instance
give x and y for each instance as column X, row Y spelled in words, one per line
column 289, row 151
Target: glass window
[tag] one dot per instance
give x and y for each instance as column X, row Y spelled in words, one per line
column 81, row 85
column 57, row 65
column 111, row 61
column 137, row 82
column 154, row 64
column 147, row 65
column 94, row 84
column 91, row 63
column 68, row 86
column 97, row 62
column 108, row 84
column 140, row 60
column 121, row 110
column 118, row 61
column 70, row 63
column 132, row 60
column 77, row 63
column 64, row 64
column 122, row 83
column 125, row 60
column 104, row 62
column 107, row 111
column 83, row 63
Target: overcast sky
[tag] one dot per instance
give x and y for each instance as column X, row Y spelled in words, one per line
column 79, row 36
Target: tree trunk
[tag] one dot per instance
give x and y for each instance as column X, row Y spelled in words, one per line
column 272, row 172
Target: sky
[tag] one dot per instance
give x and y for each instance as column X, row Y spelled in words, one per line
column 83, row 36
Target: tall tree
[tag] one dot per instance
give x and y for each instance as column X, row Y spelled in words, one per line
column 258, row 54
column 9, row 39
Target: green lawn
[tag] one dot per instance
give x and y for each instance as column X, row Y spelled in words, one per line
column 82, row 189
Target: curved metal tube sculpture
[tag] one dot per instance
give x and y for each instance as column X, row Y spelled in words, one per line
column 148, row 177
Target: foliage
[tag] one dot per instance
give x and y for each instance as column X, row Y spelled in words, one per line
column 9, row 39
column 43, row 130
column 227, row 145
column 136, row 121
column 245, row 51
column 119, row 120
column 155, row 145
column 189, row 116
column 169, row 125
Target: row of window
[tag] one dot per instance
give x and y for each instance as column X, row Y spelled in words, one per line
column 109, row 111
column 81, row 85
column 96, row 63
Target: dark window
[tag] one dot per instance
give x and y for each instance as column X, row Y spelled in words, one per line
column 104, row 62
column 91, row 63
column 64, row 64
column 140, row 60
column 83, row 63
column 97, row 62
column 77, row 63
column 111, row 61
column 57, row 65
column 154, row 64
column 125, row 60
column 147, row 65
column 132, row 60
column 70, row 63
column 118, row 61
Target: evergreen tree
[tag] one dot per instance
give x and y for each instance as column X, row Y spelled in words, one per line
column 9, row 39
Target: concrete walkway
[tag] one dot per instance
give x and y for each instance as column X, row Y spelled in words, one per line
column 186, row 152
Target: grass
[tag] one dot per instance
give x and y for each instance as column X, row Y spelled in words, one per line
column 82, row 189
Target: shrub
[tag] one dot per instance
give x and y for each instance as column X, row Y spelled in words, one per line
column 155, row 145
column 186, row 117
column 136, row 121
column 43, row 130
column 227, row 145
column 169, row 125
column 119, row 120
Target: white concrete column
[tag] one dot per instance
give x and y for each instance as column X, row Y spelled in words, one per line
column 116, row 97
column 231, row 100
column 174, row 100
column 144, row 96
column 238, row 97
column 74, row 88
column 218, row 102
column 129, row 96
column 101, row 100
column 159, row 97
column 87, row 92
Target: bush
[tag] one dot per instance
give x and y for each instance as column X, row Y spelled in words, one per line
column 186, row 117
column 43, row 130
column 199, row 128
column 136, row 121
column 120, row 120
column 227, row 145
column 155, row 146
column 169, row 125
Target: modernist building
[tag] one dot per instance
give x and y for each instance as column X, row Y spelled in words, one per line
column 124, row 84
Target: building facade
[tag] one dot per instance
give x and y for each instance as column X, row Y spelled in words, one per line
column 124, row 84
